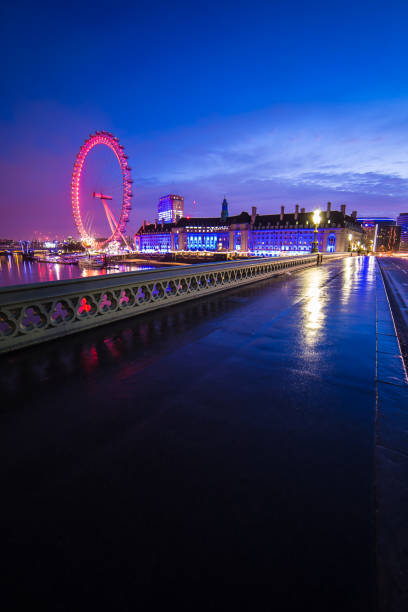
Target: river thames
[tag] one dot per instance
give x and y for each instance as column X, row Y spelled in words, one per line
column 15, row 271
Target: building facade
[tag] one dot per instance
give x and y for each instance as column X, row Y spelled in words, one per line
column 402, row 222
column 171, row 208
column 381, row 234
column 253, row 234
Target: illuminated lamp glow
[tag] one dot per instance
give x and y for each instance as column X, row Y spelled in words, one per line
column 316, row 217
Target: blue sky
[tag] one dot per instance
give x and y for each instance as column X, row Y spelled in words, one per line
column 268, row 103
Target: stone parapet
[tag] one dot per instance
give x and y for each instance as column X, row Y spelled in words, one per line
column 35, row 313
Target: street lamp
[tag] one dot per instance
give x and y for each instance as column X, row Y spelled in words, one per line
column 316, row 221
column 350, row 236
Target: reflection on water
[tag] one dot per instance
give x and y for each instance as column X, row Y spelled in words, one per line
column 15, row 271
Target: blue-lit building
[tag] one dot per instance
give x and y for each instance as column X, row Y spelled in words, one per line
column 254, row 234
column 171, row 208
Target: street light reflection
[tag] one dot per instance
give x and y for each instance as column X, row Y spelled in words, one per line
column 313, row 310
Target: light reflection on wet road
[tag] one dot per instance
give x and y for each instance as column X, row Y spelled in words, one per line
column 229, row 439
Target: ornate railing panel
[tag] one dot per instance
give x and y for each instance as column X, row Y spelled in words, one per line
column 30, row 314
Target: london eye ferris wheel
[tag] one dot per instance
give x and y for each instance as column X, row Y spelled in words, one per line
column 93, row 195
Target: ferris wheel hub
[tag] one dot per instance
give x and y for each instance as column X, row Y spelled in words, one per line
column 101, row 196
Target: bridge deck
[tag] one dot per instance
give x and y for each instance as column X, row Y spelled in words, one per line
column 230, row 439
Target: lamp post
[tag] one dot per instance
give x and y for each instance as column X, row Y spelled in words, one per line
column 316, row 221
column 349, row 240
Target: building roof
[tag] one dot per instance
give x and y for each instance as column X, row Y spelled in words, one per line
column 155, row 228
column 173, row 196
column 336, row 218
column 244, row 217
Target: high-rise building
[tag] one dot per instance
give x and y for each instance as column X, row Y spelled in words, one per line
column 402, row 222
column 380, row 234
column 171, row 208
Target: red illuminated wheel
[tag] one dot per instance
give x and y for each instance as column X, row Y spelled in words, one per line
column 117, row 224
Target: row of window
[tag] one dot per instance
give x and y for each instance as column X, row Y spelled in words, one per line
column 160, row 242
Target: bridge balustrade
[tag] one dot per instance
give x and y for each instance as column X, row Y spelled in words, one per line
column 35, row 313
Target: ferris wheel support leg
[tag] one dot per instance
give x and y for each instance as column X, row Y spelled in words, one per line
column 108, row 215
column 111, row 218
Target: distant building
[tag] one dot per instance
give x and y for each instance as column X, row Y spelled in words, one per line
column 381, row 233
column 266, row 235
column 224, row 209
column 402, row 222
column 171, row 208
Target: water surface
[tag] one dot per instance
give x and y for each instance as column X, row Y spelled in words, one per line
column 15, row 271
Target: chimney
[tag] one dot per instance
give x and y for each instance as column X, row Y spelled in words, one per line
column 282, row 212
column 253, row 215
column 303, row 210
column 155, row 224
column 296, row 212
column 144, row 223
column 328, row 209
column 343, row 209
column 354, row 215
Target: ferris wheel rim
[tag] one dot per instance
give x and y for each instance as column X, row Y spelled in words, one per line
column 113, row 143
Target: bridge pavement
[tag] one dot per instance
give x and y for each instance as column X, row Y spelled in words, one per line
column 242, row 439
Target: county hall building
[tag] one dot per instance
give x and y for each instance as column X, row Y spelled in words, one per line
column 287, row 233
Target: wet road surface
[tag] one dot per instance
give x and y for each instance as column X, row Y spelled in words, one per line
column 227, row 441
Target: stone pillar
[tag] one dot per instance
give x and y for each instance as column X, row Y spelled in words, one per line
column 182, row 240
column 231, row 240
column 244, row 240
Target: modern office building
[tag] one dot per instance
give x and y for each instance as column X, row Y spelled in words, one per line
column 171, row 208
column 264, row 235
column 381, row 234
column 402, row 222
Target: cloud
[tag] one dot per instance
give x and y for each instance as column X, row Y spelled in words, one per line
column 356, row 155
